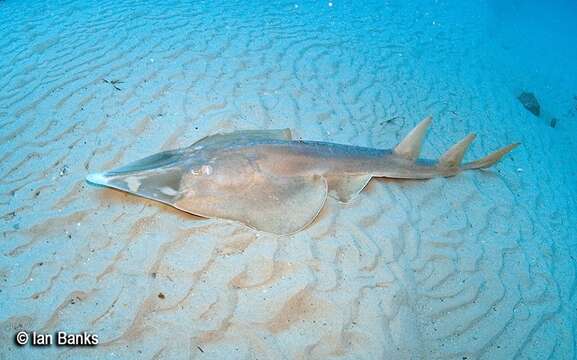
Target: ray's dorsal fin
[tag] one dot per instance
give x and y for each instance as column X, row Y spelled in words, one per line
column 242, row 136
column 345, row 188
column 454, row 156
column 410, row 147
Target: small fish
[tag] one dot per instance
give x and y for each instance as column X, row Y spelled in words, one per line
column 270, row 182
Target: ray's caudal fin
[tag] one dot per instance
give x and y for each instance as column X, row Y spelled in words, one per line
column 451, row 160
column 490, row 159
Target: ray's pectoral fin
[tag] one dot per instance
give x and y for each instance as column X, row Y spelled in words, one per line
column 279, row 205
column 346, row 188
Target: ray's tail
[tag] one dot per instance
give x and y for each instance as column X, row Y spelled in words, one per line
column 450, row 162
column 490, row 159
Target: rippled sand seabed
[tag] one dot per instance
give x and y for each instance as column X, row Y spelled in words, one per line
column 476, row 266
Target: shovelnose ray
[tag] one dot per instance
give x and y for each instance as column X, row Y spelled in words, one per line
column 270, row 182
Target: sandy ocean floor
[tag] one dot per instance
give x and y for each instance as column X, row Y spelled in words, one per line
column 479, row 266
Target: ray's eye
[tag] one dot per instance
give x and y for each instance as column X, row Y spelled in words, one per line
column 203, row 170
column 206, row 169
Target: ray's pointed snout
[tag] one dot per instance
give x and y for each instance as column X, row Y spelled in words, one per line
column 96, row 178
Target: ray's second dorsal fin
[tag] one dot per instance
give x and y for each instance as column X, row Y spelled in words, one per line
column 244, row 135
column 410, row 147
column 454, row 156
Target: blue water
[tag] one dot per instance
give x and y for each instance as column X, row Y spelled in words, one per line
column 479, row 266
